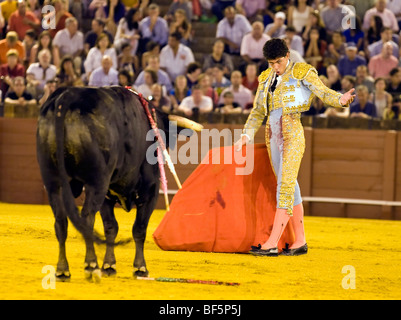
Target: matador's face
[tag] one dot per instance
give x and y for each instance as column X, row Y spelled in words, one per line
column 280, row 64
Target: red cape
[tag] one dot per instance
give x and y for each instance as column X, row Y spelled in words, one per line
column 218, row 210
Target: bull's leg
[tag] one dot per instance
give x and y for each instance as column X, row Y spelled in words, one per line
column 110, row 230
column 93, row 201
column 144, row 211
column 60, row 226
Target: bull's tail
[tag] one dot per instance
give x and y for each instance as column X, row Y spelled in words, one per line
column 68, row 200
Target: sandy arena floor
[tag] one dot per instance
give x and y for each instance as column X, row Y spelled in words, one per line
column 339, row 248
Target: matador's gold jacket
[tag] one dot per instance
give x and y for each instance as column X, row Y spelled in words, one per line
column 300, row 84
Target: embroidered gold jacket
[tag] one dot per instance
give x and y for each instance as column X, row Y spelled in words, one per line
column 300, row 84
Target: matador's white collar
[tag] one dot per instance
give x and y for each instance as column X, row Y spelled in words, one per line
column 279, row 78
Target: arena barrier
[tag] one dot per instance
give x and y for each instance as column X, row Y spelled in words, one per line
column 344, row 173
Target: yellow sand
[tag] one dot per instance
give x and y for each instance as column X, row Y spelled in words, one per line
column 370, row 248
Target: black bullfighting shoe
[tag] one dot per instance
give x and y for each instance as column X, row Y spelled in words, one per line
column 258, row 251
column 295, row 252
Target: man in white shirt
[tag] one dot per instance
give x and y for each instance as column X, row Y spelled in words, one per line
column 196, row 101
column 242, row 95
column 253, row 42
column 70, row 41
column 232, row 29
column 105, row 75
column 175, row 57
column 39, row 73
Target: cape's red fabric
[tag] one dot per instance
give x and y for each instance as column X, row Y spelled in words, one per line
column 218, row 210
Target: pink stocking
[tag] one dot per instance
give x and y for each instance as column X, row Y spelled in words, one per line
column 297, row 222
column 280, row 222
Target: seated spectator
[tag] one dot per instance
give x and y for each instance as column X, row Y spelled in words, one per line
column 179, row 92
column 39, row 73
column 363, row 108
column 44, row 42
column 295, row 40
column 277, row 28
column 10, row 70
column 158, row 99
column 314, row 21
column 252, row 45
column 66, row 75
column 380, row 97
column 394, row 84
column 250, row 80
column 70, row 41
column 363, row 77
column 207, row 89
column 251, row 9
column 150, row 77
column 350, row 61
column 61, row 13
column 242, row 95
column 355, row 34
column 152, row 49
column 386, row 35
column 102, row 48
column 335, row 50
column 381, row 64
column 124, row 78
column 11, row 42
column 128, row 31
column 197, row 102
column 105, row 75
column 127, row 61
column 49, row 88
column 218, row 56
column 113, row 12
column 388, row 17
column 347, row 83
column 394, row 112
column 22, row 20
column 28, row 43
column 333, row 15
column 219, row 81
column 154, row 64
column 228, row 105
column 97, row 28
column 232, row 29
column 219, row 6
column 153, row 27
column 182, row 25
column 19, row 95
column 194, row 69
column 175, row 57
column 373, row 33
column 333, row 78
column 180, row 5
column 294, row 55
column 315, row 49
column 299, row 14
column 7, row 8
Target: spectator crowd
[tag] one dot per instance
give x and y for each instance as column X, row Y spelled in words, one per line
column 147, row 44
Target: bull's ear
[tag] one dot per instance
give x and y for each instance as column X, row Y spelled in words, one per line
column 185, row 123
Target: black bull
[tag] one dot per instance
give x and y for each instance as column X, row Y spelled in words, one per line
column 95, row 139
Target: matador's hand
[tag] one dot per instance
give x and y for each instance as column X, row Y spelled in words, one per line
column 347, row 97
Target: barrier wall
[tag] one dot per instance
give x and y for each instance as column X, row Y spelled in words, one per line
column 338, row 163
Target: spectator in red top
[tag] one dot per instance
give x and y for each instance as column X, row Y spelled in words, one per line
column 61, row 15
column 250, row 80
column 10, row 70
column 22, row 20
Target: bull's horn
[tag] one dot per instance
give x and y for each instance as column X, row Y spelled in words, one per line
column 185, row 123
